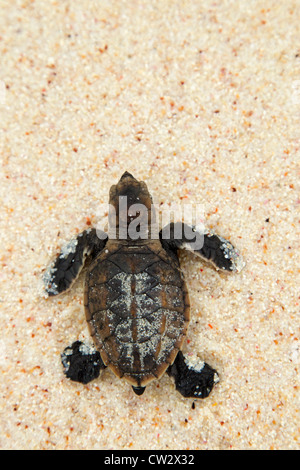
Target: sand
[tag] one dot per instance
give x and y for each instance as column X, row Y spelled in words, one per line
column 200, row 99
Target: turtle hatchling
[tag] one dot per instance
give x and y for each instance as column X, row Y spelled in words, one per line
column 135, row 297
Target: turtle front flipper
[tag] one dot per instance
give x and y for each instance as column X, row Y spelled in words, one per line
column 64, row 270
column 192, row 380
column 206, row 244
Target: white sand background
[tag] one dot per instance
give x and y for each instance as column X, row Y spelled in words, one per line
column 201, row 99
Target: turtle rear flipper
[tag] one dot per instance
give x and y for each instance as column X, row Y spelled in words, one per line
column 81, row 363
column 195, row 381
column 63, row 272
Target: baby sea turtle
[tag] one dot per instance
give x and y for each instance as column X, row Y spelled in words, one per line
column 136, row 300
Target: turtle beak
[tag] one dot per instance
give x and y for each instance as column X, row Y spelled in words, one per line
column 127, row 175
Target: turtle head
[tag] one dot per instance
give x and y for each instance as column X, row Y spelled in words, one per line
column 130, row 207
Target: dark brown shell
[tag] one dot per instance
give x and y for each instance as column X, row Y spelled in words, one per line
column 137, row 308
